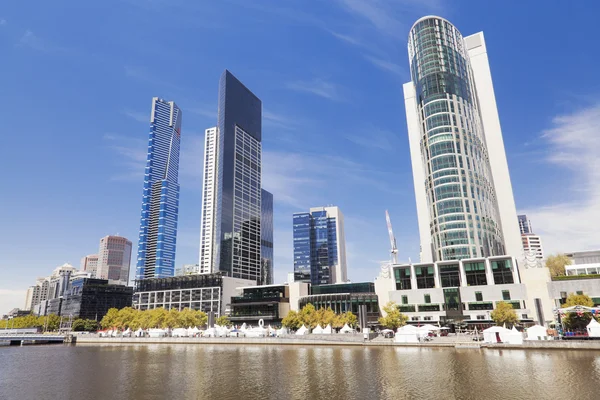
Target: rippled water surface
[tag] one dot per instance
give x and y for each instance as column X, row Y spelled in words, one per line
column 293, row 372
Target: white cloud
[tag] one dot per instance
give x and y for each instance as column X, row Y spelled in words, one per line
column 376, row 138
column 205, row 111
column 385, row 65
column 318, row 87
column 31, row 40
column 570, row 221
column 138, row 116
column 11, row 298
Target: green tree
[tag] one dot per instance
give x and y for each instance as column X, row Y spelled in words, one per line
column 577, row 320
column 504, row 314
column 346, row 318
column 556, row 264
column 125, row 317
column 291, row 320
column 78, row 325
column 158, row 317
column 110, row 319
column 90, row 325
column 52, row 322
column 223, row 320
column 201, row 318
column 308, row 316
column 393, row 318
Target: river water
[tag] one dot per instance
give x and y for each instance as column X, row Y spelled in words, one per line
column 223, row 372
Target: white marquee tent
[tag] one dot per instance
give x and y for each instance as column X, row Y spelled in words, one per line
column 537, row 332
column 593, row 328
column 490, row 335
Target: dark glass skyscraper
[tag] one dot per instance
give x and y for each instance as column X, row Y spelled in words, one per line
column 319, row 246
column 266, row 237
column 237, row 211
column 160, row 201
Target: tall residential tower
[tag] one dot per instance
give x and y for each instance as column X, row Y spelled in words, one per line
column 464, row 196
column 160, row 201
column 230, row 239
column 320, row 246
column 114, row 259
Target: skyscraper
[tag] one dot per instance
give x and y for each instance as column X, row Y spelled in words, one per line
column 89, row 264
column 524, row 225
column 114, row 259
column 464, row 197
column 320, row 246
column 230, row 239
column 266, row 237
column 160, row 201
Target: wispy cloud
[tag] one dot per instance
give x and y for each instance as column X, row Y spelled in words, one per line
column 375, row 138
column 385, row 65
column 318, row 87
column 35, row 42
column 138, row 116
column 569, row 222
column 205, row 111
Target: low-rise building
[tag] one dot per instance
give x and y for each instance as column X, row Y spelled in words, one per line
column 451, row 292
column 204, row 292
column 561, row 287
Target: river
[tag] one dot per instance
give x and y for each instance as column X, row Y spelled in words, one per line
column 223, row 372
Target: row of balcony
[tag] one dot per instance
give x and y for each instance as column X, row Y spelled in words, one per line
column 472, row 306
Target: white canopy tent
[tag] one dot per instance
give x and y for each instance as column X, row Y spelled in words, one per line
column 179, row 332
column 491, row 335
column 303, row 331
column 346, row 329
column 328, row 330
column 407, row 334
column 593, row 328
column 537, row 332
column 318, row 330
column 515, row 337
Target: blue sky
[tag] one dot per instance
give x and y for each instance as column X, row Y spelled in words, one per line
column 78, row 77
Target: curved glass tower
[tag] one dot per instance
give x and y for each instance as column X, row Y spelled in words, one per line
column 458, row 209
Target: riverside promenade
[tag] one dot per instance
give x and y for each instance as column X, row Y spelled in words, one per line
column 340, row 340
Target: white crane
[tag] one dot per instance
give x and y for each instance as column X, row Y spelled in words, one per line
column 394, row 250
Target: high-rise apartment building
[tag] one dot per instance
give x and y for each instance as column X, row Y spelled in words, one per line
column 532, row 246
column 230, row 239
column 160, row 201
column 524, row 225
column 320, row 246
column 266, row 237
column 464, row 196
column 89, row 264
column 114, row 259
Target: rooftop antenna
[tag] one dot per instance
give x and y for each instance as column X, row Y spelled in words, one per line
column 394, row 250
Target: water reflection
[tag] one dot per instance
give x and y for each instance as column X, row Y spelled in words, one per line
column 293, row 372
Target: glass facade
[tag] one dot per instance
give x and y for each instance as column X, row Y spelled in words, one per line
column 238, row 195
column 462, row 201
column 502, row 272
column 317, row 247
column 160, row 201
column 343, row 302
column 266, row 238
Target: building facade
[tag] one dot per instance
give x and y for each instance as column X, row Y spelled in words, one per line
column 266, row 237
column 460, row 291
column 204, row 292
column 188, row 269
column 524, row 225
column 114, row 259
column 89, row 264
column 532, row 245
column 230, row 240
column 160, row 200
column 464, row 196
column 320, row 246
column 584, row 257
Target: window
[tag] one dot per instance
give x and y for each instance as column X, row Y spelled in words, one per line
column 404, row 299
column 481, row 317
column 425, row 277
column 579, row 292
column 428, row 318
column 478, row 296
column 449, row 275
column 502, row 272
column 505, row 295
column 475, row 273
column 427, row 299
column 402, row 276
column 414, row 319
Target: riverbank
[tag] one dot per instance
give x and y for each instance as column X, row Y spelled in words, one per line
column 355, row 340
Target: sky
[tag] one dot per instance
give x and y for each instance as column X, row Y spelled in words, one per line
column 78, row 78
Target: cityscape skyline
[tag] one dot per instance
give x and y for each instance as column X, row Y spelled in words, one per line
column 365, row 220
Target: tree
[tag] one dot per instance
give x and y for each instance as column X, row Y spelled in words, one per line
column 110, row 318
column 556, row 264
column 223, row 320
column 308, row 316
column 90, row 325
column 78, row 325
column 393, row 318
column 125, row 318
column 504, row 314
column 158, row 317
column 291, row 320
column 577, row 320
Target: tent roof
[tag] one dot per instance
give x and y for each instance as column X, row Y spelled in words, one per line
column 496, row 329
column 593, row 322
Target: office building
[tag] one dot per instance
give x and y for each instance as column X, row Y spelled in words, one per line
column 271, row 303
column 209, row 202
column 160, row 201
column 460, row 291
column 464, row 196
column 320, row 246
column 584, row 257
column 266, row 237
column 204, row 292
column 114, row 259
column 188, row 269
column 524, row 225
column 532, row 246
column 230, row 241
column 89, row 264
